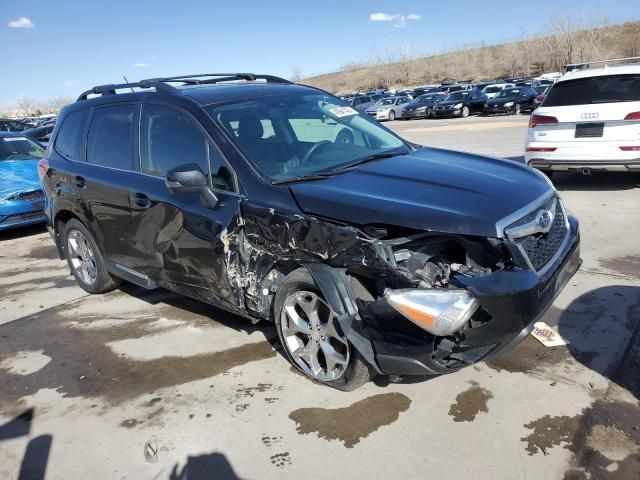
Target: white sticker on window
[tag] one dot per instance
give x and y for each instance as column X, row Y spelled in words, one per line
column 343, row 111
column 15, row 139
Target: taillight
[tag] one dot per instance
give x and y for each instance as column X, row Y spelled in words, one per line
column 43, row 166
column 541, row 149
column 630, row 148
column 633, row 116
column 536, row 120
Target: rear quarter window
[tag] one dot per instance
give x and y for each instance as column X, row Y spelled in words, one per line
column 110, row 139
column 594, row 90
column 69, row 141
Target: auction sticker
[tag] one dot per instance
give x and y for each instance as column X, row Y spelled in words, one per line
column 343, row 111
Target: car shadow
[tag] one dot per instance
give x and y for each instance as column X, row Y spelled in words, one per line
column 205, row 467
column 22, row 232
column 602, row 328
column 200, row 308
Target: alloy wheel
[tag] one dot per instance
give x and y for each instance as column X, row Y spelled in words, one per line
column 81, row 257
column 313, row 337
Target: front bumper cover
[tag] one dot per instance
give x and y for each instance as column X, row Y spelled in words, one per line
column 511, row 301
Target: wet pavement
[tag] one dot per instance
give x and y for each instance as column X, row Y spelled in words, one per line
column 148, row 384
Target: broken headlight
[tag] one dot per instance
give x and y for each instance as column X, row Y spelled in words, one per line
column 441, row 312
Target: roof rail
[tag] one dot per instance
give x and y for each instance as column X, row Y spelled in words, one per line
column 583, row 65
column 161, row 84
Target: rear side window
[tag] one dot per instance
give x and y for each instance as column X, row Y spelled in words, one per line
column 594, row 90
column 69, row 141
column 110, row 138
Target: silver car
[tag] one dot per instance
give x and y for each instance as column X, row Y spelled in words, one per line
column 362, row 102
column 388, row 108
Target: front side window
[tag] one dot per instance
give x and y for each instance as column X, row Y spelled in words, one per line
column 69, row 140
column 170, row 138
column 309, row 133
column 110, row 137
column 19, row 148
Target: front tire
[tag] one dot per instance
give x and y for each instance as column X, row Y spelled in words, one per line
column 465, row 112
column 517, row 109
column 85, row 260
column 311, row 336
column 392, row 116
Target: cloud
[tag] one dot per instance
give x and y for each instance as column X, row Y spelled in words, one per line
column 22, row 22
column 139, row 65
column 398, row 20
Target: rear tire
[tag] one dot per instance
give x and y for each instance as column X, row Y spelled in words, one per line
column 85, row 260
column 297, row 334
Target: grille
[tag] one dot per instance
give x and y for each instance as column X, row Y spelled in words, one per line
column 23, row 217
column 32, row 195
column 541, row 247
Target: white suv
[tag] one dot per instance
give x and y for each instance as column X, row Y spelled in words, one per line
column 589, row 120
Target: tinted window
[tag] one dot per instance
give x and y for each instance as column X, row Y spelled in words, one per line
column 69, row 141
column 587, row 91
column 170, row 138
column 110, row 138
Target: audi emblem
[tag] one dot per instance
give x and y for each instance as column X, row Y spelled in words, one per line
column 589, row 116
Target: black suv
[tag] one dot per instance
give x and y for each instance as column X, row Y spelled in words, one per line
column 280, row 202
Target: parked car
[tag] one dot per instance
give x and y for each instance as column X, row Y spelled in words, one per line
column 423, row 90
column 461, row 104
column 362, row 102
column 21, row 197
column 388, row 108
column 495, row 88
column 448, row 89
column 512, row 101
column 375, row 257
column 39, row 134
column 541, row 93
column 588, row 121
column 422, row 106
column 7, row 125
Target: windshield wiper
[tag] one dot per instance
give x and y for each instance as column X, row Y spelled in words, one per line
column 302, row 178
column 368, row 158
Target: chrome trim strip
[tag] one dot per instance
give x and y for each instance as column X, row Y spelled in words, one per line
column 533, row 226
column 518, row 214
column 132, row 271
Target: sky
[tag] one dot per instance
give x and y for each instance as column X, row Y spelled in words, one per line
column 62, row 47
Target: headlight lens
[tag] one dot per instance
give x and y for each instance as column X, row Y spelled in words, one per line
column 508, row 104
column 421, row 109
column 441, row 312
column 457, row 106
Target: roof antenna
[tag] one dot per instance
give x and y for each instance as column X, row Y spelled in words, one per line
column 127, row 81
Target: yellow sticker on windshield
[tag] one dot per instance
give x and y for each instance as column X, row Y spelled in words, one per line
column 343, row 111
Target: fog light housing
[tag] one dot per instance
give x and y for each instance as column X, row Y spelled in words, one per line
column 441, row 312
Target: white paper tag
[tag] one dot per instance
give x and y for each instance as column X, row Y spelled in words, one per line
column 343, row 111
column 547, row 336
column 15, row 139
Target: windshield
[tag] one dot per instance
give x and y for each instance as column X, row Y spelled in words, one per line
column 426, row 99
column 386, row 101
column 509, row 92
column 292, row 135
column 492, row 89
column 19, row 148
column 455, row 96
column 592, row 90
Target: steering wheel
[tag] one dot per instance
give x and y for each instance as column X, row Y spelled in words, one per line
column 315, row 148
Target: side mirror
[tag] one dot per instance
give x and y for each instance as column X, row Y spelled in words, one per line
column 185, row 179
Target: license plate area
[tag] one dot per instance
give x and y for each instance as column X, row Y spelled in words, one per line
column 589, row 130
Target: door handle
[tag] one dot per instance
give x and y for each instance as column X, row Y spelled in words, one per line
column 80, row 182
column 140, row 200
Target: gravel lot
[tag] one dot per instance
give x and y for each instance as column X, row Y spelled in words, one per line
column 147, row 384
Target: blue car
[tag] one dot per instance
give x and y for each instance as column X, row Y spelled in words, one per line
column 21, row 197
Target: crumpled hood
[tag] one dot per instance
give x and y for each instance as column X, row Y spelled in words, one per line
column 18, row 176
column 429, row 189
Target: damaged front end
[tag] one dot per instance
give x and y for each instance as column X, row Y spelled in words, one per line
column 410, row 302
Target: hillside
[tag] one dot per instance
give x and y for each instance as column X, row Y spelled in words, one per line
column 562, row 44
